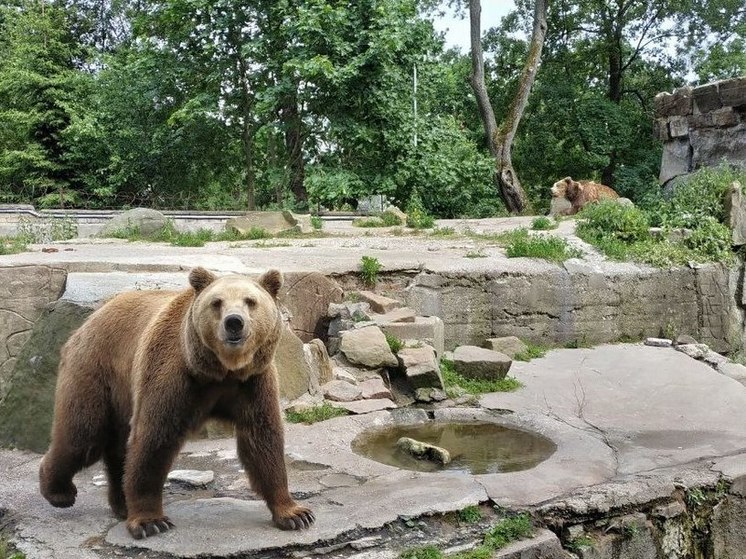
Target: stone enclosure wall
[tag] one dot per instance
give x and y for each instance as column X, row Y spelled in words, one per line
column 701, row 127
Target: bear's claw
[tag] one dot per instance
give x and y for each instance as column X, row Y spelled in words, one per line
column 140, row 529
column 298, row 518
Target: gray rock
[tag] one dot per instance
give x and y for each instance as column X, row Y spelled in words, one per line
column 273, row 222
column 736, row 371
column 695, row 351
column 424, row 451
column 714, row 359
column 367, row 347
column 341, row 391
column 626, row 202
column 421, row 367
column 480, row 363
column 509, row 345
column 144, row 220
column 378, row 303
column 543, row 545
column 403, row 314
column 729, row 528
column 307, row 297
column 426, row 329
column 305, row 403
column 366, row 406
column 685, row 339
column 559, row 206
column 194, row 478
column 735, row 212
column 675, row 161
column 429, row 395
column 658, row 342
column 342, row 374
column 374, row 388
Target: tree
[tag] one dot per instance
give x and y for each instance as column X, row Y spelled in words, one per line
column 500, row 139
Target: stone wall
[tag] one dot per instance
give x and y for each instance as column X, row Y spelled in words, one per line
column 701, row 127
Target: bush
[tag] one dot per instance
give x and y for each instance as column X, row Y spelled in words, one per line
column 611, row 220
column 555, row 249
column 369, row 268
column 712, row 239
column 543, row 223
column 417, row 217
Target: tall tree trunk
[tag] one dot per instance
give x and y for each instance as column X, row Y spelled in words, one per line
column 247, row 143
column 614, row 92
column 294, row 146
column 500, row 139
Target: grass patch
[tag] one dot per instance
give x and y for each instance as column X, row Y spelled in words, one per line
column 7, row 551
column 317, row 222
column 546, row 247
column 504, row 532
column 477, row 253
column 533, row 351
column 452, row 379
column 369, row 269
column 470, row 514
column 395, row 344
column 272, row 244
column 314, row 415
column 385, row 219
column 443, row 232
column 543, row 223
column 198, row 238
column 12, row 245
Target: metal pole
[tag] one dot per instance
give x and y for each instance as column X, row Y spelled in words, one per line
column 414, row 104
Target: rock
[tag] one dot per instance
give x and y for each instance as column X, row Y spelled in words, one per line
column 695, row 351
column 682, row 339
column 195, row 478
column 424, row 451
column 675, row 161
column 294, row 373
column 319, row 364
column 341, row 391
column 669, row 510
column 307, row 297
column 543, row 545
column 398, row 213
column 735, row 212
column 366, row 406
column 625, row 202
column 429, row 395
column 658, row 342
column 706, row 98
column 367, row 347
column 509, row 345
column 378, row 303
column 736, row 371
column 673, row 104
column 421, row 367
column 341, row 374
column 729, row 528
column 714, row 359
column 374, row 388
column 273, row 222
column 144, row 220
column 404, row 314
column 480, row 363
column 559, row 206
column 426, row 329
column 26, row 411
column 304, row 403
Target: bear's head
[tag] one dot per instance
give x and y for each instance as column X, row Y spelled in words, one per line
column 235, row 317
column 567, row 188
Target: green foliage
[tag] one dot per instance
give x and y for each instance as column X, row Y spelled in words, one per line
column 369, row 269
column 534, row 351
column 452, row 379
column 443, row 232
column 426, row 552
column 612, row 220
column 543, row 223
column 711, row 238
column 390, row 219
column 548, row 247
column 12, row 245
column 46, row 230
column 315, row 414
column 477, row 253
column 7, row 550
column 470, row 514
column 508, row 530
column 169, row 234
column 317, row 222
column 395, row 344
column 368, row 222
column 417, row 216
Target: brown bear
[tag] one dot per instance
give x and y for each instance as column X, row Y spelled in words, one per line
column 148, row 368
column 580, row 193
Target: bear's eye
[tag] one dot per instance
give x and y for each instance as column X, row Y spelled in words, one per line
column 250, row 302
column 216, row 304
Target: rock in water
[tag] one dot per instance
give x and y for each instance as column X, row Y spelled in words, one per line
column 424, row 451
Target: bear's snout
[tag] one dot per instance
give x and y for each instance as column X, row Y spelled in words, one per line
column 234, row 324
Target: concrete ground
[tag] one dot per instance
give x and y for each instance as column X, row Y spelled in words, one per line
column 630, row 422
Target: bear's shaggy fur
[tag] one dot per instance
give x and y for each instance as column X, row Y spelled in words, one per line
column 148, row 368
column 580, row 193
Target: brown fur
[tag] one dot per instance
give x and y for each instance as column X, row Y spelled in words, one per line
column 580, row 193
column 148, row 368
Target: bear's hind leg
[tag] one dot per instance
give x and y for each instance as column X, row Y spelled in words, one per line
column 78, row 433
column 114, row 457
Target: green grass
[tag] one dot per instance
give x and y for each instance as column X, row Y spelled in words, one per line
column 395, row 344
column 7, row 551
column 470, row 514
column 452, row 379
column 314, row 415
column 555, row 249
column 534, row 351
column 543, row 223
column 317, row 222
column 443, row 232
column 504, row 532
column 198, row 238
column 12, row 245
column 385, row 219
column 369, row 269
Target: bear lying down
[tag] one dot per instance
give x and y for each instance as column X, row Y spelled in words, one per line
column 148, row 368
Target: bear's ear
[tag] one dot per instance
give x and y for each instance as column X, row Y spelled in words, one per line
column 199, row 278
column 271, row 280
column 568, row 180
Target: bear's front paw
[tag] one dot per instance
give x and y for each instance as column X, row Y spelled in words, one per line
column 141, row 528
column 294, row 518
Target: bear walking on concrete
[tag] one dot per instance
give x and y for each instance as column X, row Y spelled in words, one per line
column 148, row 368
